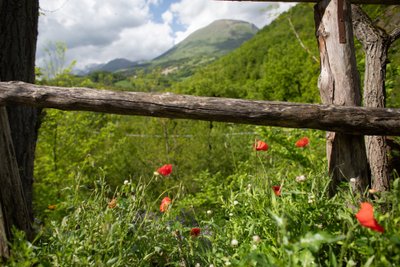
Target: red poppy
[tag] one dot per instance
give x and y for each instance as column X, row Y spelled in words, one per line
column 165, row 170
column 165, row 202
column 302, row 142
column 261, row 146
column 277, row 190
column 195, row 231
column 366, row 217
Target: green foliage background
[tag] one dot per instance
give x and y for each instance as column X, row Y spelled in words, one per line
column 83, row 159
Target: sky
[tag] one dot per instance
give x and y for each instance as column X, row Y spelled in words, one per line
column 97, row 31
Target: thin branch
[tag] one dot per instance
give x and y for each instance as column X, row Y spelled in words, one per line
column 364, row 29
column 394, row 35
column 301, row 42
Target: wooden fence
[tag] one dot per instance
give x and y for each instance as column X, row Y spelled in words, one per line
column 344, row 119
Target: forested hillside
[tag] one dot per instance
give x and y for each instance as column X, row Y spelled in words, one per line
column 281, row 61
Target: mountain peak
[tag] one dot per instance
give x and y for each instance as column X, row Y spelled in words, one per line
column 216, row 39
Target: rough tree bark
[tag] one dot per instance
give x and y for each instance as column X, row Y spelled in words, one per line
column 376, row 43
column 339, row 84
column 4, row 252
column 12, row 198
column 18, row 35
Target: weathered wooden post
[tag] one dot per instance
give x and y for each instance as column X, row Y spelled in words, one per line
column 12, row 202
column 339, row 84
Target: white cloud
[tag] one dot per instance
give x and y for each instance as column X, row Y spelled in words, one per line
column 195, row 14
column 96, row 31
column 89, row 26
column 168, row 17
column 135, row 42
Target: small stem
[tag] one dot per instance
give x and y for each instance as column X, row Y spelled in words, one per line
column 179, row 238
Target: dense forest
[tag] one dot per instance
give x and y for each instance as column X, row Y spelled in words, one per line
column 98, row 181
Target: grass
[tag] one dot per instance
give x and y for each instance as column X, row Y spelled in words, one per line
column 247, row 225
column 242, row 222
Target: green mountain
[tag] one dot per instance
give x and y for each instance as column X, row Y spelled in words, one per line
column 272, row 65
column 114, row 65
column 117, row 64
column 212, row 41
column 277, row 65
column 198, row 49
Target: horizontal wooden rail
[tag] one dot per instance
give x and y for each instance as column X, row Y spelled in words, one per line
column 351, row 120
column 380, row 2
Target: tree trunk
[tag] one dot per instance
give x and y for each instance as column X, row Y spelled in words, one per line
column 339, row 84
column 376, row 43
column 18, row 35
column 4, row 252
column 12, row 198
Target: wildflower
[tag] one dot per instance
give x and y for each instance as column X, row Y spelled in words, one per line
column 366, row 217
column 261, row 146
column 165, row 170
column 300, row 178
column 165, row 202
column 209, row 212
column 126, row 182
column 256, row 239
column 235, row 202
column 302, row 142
column 51, row 207
column 373, row 191
column 277, row 190
column 230, row 214
column 234, row 243
column 311, row 198
column 113, row 203
column 195, row 231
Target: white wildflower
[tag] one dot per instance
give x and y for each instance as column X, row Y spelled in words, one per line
column 234, row 243
column 300, row 178
column 311, row 198
column 256, row 239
